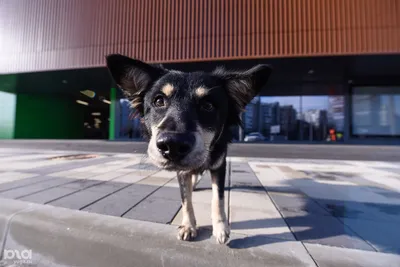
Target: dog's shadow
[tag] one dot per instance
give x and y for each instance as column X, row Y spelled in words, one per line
column 317, row 221
column 238, row 241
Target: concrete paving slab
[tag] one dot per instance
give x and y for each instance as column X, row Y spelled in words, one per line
column 363, row 211
column 81, row 184
column 336, row 192
column 111, row 168
column 107, row 186
column 72, row 174
column 34, row 188
column 172, row 183
column 152, row 209
column 70, row 165
column 383, row 236
column 386, row 179
column 54, row 234
column 271, row 180
column 106, row 176
column 204, row 196
column 296, row 203
column 131, row 178
column 168, row 192
column 81, row 199
column 254, row 201
column 49, row 195
column 24, row 182
column 121, row 201
column 259, row 222
column 25, row 166
column 35, row 156
column 156, row 181
column 6, row 177
column 205, row 181
column 144, row 166
column 325, row 230
column 326, row 256
column 164, row 174
column 124, row 170
column 246, row 182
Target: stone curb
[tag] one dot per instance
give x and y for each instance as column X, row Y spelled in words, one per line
column 51, row 236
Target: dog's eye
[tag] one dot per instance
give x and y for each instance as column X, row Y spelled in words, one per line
column 159, row 101
column 207, row 106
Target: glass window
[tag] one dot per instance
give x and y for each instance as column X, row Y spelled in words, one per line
column 295, row 118
column 128, row 123
column 322, row 118
column 376, row 111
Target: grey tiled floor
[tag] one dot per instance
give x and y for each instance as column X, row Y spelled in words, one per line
column 332, row 203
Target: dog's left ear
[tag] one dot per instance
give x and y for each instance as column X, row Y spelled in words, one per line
column 243, row 86
column 133, row 76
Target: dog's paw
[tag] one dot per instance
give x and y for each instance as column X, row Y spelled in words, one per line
column 187, row 232
column 221, row 232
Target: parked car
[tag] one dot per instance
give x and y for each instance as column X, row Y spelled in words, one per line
column 254, row 137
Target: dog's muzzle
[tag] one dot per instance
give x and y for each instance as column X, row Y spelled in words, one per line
column 175, row 146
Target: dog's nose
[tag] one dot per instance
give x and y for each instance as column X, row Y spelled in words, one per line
column 175, row 146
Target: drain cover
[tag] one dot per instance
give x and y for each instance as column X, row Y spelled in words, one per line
column 76, row 156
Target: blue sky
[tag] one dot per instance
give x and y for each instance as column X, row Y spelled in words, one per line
column 320, row 102
column 309, row 102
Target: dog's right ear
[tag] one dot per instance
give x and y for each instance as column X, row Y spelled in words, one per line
column 133, row 76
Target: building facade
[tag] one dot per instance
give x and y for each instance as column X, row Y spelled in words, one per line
column 336, row 63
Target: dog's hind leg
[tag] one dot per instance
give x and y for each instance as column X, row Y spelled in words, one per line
column 221, row 229
column 187, row 230
column 195, row 179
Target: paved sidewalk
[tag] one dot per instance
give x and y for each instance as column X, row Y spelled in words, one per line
column 312, row 207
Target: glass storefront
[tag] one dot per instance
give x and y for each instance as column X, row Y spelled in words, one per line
column 295, row 118
column 375, row 111
column 372, row 112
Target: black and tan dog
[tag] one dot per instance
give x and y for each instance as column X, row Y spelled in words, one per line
column 187, row 118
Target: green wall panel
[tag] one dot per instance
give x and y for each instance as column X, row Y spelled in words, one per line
column 48, row 117
column 113, row 99
column 7, row 115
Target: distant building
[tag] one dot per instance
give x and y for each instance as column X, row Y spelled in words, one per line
column 270, row 116
column 288, row 120
column 252, row 116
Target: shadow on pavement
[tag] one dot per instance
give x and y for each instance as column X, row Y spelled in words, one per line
column 364, row 222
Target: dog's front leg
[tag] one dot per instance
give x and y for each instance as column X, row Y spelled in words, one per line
column 187, row 230
column 221, row 229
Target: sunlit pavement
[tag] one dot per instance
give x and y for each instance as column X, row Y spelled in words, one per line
column 289, row 212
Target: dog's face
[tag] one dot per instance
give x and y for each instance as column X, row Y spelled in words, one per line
column 185, row 114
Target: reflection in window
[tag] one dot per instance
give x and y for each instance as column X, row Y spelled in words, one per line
column 129, row 126
column 376, row 111
column 302, row 118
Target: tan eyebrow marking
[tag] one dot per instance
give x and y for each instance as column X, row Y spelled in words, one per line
column 168, row 89
column 201, row 91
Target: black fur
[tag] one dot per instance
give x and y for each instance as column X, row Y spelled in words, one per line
column 231, row 92
column 190, row 115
